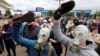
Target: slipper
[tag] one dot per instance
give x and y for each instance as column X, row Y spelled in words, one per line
column 28, row 17
column 65, row 7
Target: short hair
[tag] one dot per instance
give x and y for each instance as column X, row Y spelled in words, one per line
column 93, row 27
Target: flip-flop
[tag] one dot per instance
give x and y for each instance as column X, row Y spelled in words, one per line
column 65, row 7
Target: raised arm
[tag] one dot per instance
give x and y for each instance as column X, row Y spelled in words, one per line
column 18, row 28
column 19, row 39
column 64, row 8
column 59, row 35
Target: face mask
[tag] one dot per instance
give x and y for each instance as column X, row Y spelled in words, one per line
column 81, row 34
column 43, row 35
column 30, row 26
column 5, row 23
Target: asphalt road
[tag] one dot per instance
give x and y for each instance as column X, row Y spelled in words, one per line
column 21, row 51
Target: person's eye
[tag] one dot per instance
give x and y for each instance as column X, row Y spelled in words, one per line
column 43, row 35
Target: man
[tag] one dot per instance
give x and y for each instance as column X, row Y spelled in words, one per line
column 39, row 47
column 31, row 31
column 80, row 45
column 8, row 37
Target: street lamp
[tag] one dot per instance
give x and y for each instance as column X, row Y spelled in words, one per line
column 59, row 1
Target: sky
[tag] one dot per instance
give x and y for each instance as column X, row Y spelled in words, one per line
column 53, row 4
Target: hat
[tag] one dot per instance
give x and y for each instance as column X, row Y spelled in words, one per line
column 65, row 7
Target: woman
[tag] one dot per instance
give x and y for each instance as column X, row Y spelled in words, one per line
column 95, row 37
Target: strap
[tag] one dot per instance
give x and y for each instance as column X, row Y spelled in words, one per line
column 50, row 50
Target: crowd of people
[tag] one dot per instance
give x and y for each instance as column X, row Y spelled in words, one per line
column 45, row 35
column 31, row 31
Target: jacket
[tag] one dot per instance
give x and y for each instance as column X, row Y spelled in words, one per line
column 30, row 43
column 9, row 31
column 31, row 33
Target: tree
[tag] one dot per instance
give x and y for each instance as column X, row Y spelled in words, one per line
column 96, row 14
column 50, row 13
column 0, row 12
column 68, row 14
column 8, row 12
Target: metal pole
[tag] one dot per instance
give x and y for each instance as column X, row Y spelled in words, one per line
column 59, row 2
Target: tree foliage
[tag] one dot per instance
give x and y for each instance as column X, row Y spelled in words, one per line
column 0, row 12
column 96, row 14
column 50, row 13
column 68, row 14
column 8, row 12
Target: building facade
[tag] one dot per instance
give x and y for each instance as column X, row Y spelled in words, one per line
column 4, row 5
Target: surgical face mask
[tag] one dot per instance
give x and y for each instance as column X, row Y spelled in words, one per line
column 30, row 26
column 81, row 34
column 5, row 23
column 43, row 35
column 51, row 24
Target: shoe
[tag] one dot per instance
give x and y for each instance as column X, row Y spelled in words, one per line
column 28, row 17
column 65, row 7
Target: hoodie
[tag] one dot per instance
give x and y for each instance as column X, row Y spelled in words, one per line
column 88, row 50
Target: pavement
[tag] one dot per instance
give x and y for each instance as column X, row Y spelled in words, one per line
column 21, row 51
